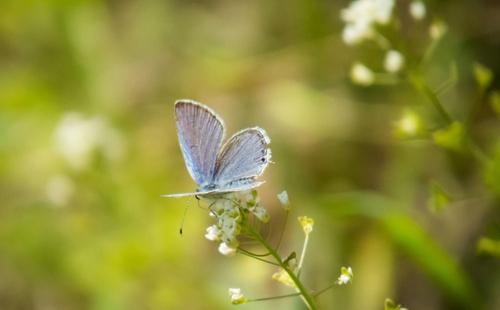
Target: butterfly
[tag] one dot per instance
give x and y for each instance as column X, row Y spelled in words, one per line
column 219, row 168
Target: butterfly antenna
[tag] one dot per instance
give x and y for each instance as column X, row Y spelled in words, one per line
column 184, row 216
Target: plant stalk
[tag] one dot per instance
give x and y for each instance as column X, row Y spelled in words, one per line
column 306, row 297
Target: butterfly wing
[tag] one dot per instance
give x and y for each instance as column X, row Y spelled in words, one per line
column 200, row 132
column 242, row 159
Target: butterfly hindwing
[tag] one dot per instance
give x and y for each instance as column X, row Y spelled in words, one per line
column 242, row 159
column 200, row 133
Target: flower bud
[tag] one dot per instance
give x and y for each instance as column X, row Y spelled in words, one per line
column 307, row 224
column 345, row 276
column 283, row 198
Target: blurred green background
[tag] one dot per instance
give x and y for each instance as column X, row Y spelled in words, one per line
column 88, row 145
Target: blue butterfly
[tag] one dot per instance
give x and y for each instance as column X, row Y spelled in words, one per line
column 215, row 167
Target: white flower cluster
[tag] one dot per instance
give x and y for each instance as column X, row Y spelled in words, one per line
column 231, row 212
column 78, row 138
column 361, row 17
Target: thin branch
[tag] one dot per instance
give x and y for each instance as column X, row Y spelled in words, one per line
column 246, row 253
column 275, row 297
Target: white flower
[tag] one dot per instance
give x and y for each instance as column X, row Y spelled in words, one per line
column 362, row 75
column 213, row 233
column 236, row 296
column 417, row 10
column 345, row 276
column 394, row 61
column 78, row 138
column 59, row 190
column 361, row 16
column 283, row 198
column 226, row 250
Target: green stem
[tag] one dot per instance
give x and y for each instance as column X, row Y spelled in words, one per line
column 306, row 297
column 249, row 254
column 421, row 85
column 303, row 255
column 274, row 297
column 315, row 294
column 434, row 99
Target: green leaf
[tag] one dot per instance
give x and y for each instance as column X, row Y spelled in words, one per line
column 451, row 138
column 439, row 199
column 483, row 76
column 411, row 239
column 488, row 246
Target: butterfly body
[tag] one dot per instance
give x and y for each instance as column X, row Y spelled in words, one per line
column 215, row 167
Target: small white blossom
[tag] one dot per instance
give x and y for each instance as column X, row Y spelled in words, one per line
column 361, row 16
column 283, row 198
column 362, row 75
column 236, row 296
column 213, row 233
column 417, row 9
column 394, row 61
column 226, row 250
column 59, row 190
column 345, row 276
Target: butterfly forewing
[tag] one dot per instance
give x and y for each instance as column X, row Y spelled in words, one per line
column 242, row 158
column 200, row 133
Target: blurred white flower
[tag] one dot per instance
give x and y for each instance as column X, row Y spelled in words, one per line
column 417, row 10
column 226, row 250
column 78, row 138
column 212, row 233
column 345, row 276
column 394, row 61
column 59, row 190
column 437, row 30
column 283, row 198
column 355, row 33
column 409, row 125
column 236, row 296
column 362, row 75
column 361, row 16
